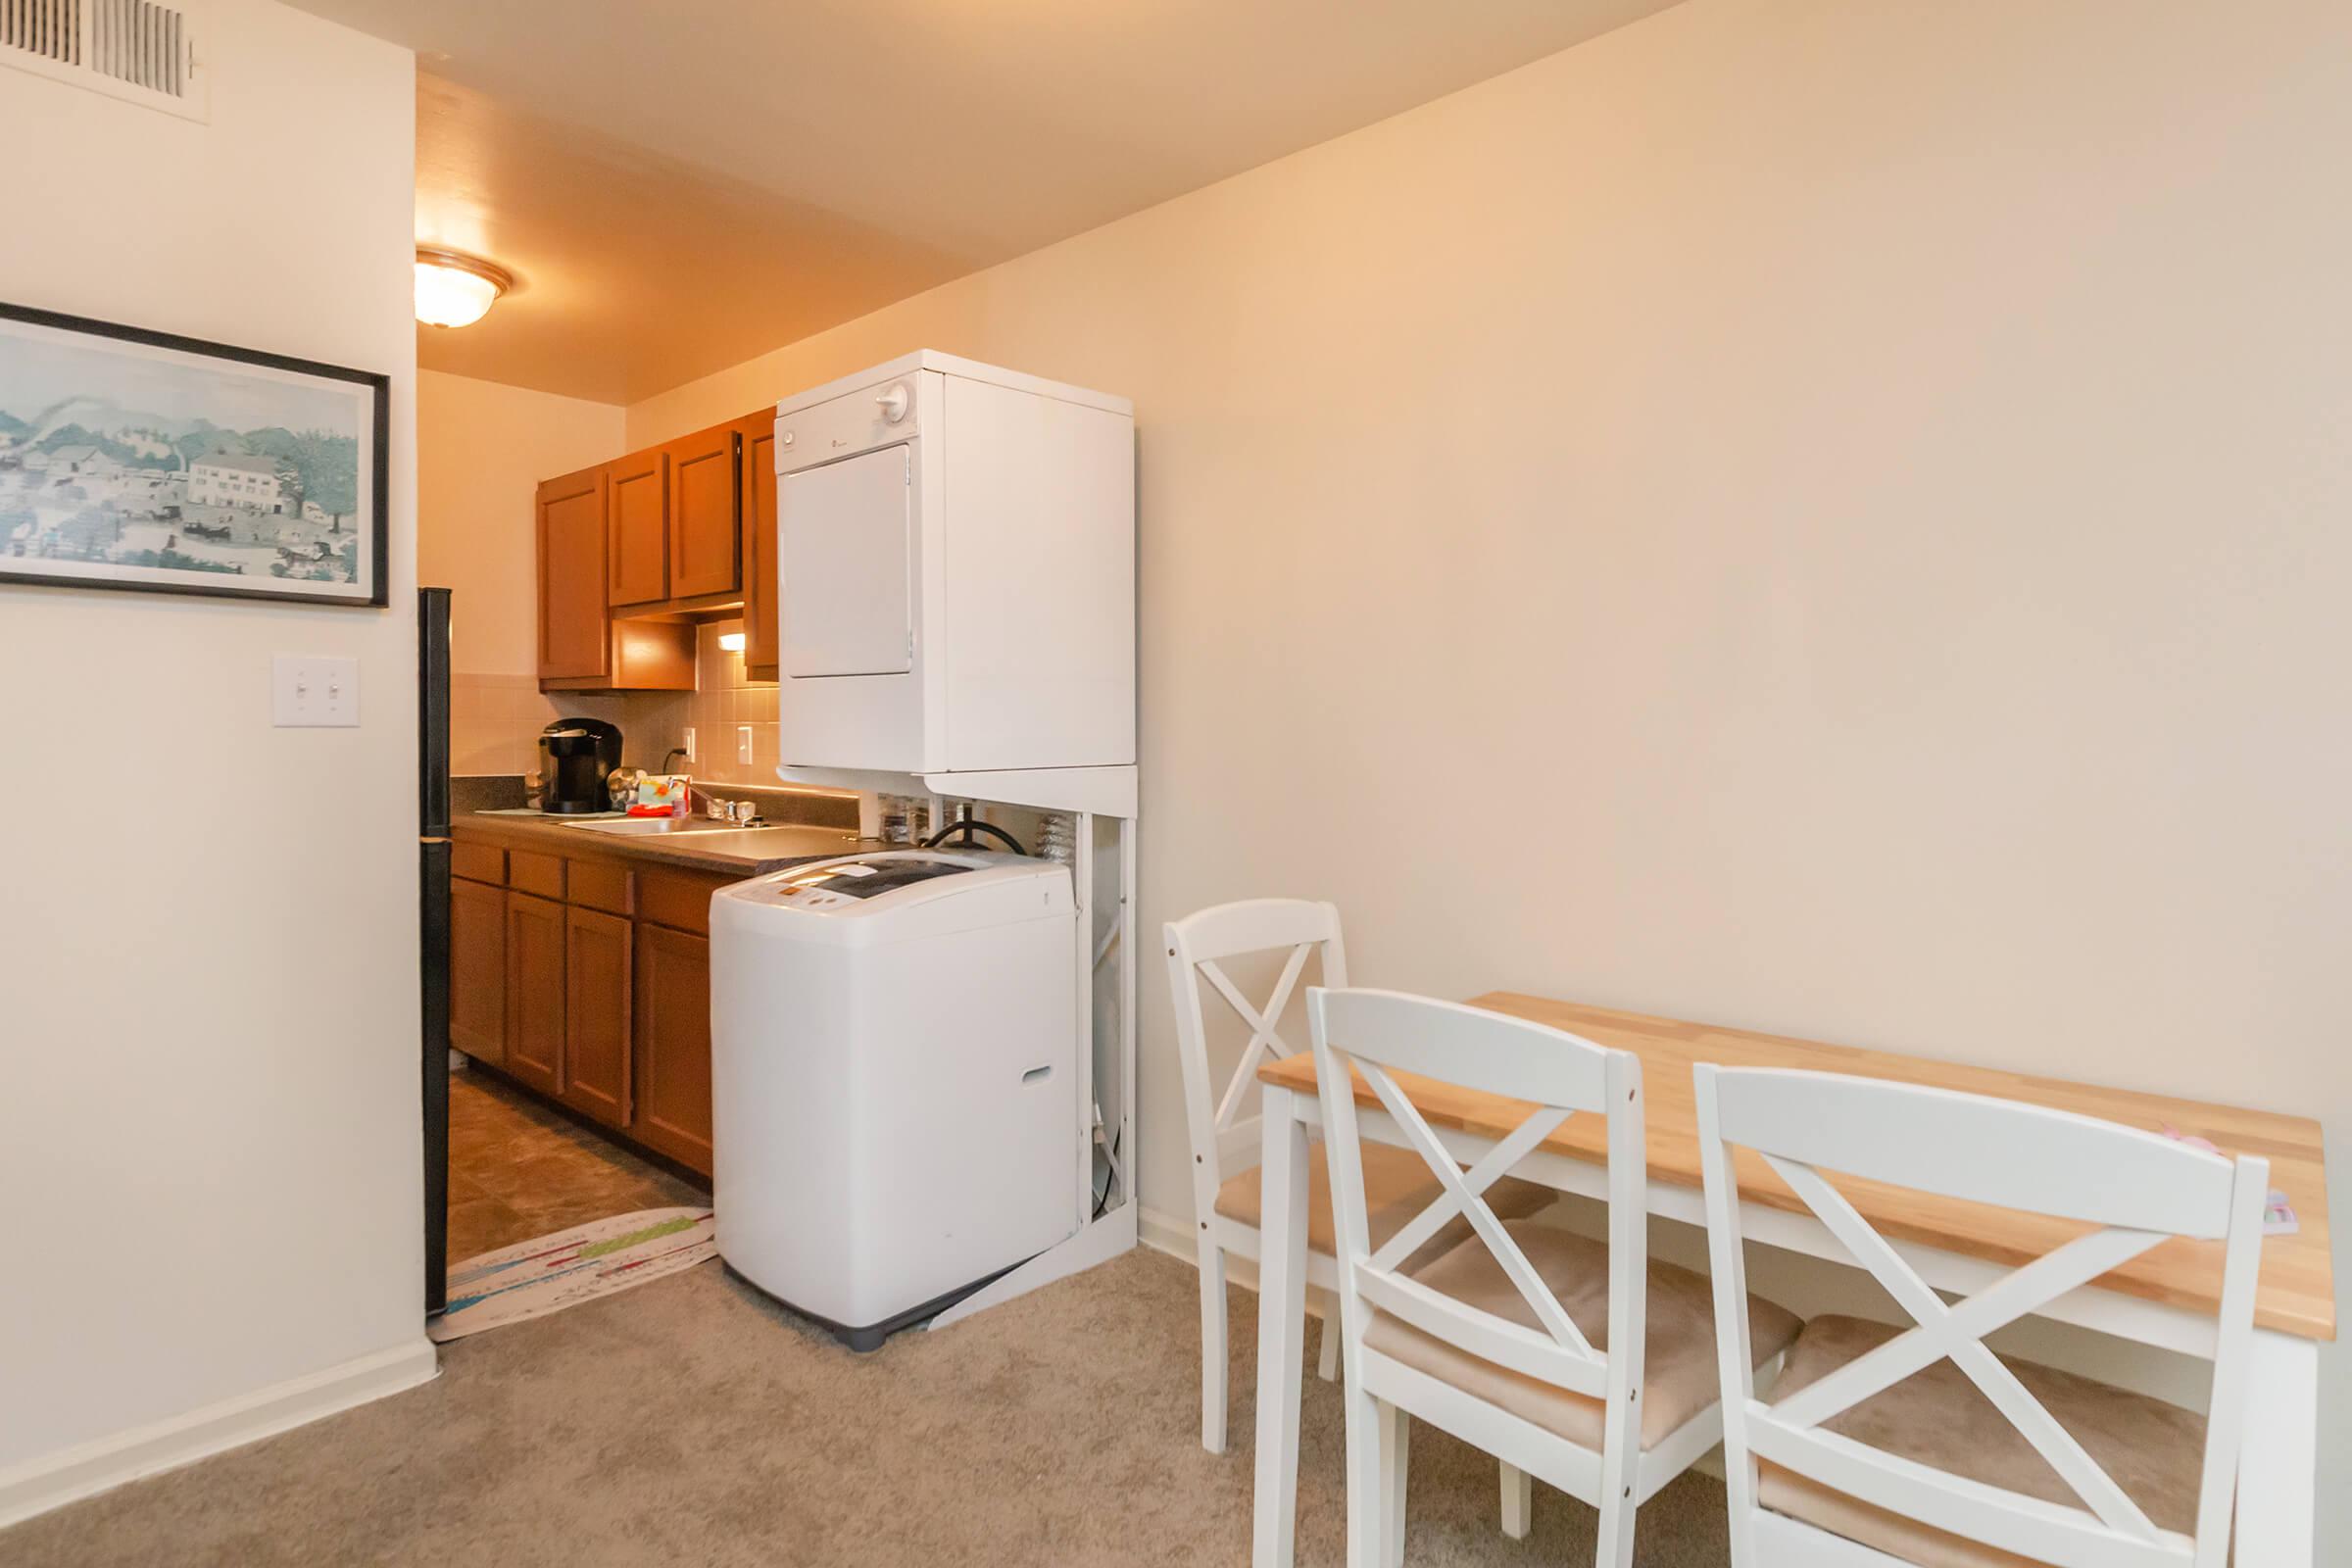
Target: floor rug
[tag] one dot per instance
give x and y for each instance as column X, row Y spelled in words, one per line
column 534, row 1278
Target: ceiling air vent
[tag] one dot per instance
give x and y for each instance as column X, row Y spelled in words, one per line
column 130, row 49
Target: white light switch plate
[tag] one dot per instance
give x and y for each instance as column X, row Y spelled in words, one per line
column 309, row 690
column 743, row 743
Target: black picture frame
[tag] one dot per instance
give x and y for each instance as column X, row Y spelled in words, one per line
column 376, row 474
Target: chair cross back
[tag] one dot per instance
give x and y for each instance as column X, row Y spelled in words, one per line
column 1221, row 1134
column 1373, row 1034
column 1463, row 1193
column 1196, row 946
column 2133, row 1188
column 1264, row 1035
column 1957, row 1334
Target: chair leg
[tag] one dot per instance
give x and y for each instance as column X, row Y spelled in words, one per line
column 1367, row 1507
column 1616, row 1545
column 1327, row 1359
column 1518, row 1501
column 1396, row 1448
column 1213, row 1346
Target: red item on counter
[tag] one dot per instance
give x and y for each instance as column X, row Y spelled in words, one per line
column 664, row 795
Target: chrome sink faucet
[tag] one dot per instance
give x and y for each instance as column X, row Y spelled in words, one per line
column 743, row 813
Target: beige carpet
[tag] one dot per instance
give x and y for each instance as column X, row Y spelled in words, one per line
column 692, row 1422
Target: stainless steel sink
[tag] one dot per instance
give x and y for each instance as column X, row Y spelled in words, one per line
column 636, row 826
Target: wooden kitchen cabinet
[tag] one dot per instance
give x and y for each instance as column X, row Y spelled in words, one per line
column 597, row 959
column 672, row 1112
column 635, row 552
column 478, row 970
column 535, row 992
column 758, row 432
column 638, row 530
column 704, row 515
column 581, row 646
column 586, row 977
column 574, row 643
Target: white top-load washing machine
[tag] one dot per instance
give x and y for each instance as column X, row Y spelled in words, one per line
column 894, row 1079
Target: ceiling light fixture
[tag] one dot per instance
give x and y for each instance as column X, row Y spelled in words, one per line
column 454, row 289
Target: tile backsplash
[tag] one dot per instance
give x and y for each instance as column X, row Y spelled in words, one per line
column 495, row 720
column 724, row 702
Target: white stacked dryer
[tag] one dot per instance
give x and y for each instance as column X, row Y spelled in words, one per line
column 955, row 555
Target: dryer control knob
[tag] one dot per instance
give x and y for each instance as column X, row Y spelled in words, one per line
column 893, row 404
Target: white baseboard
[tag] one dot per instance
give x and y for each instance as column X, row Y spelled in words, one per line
column 85, row 1469
column 1165, row 1233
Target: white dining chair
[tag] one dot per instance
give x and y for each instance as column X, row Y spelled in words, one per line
column 1579, row 1363
column 1882, row 1448
column 1226, row 1190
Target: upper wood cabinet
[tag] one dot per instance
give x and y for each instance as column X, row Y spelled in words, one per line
column 581, row 646
column 633, row 551
column 573, row 644
column 639, row 529
column 704, row 515
column 757, row 434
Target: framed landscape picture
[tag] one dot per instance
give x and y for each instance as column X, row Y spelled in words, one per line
column 143, row 460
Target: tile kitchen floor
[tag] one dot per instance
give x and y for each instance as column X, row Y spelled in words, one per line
column 518, row 1170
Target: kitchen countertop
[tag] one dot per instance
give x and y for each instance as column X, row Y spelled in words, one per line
column 743, row 851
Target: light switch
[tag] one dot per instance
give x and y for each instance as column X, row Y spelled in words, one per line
column 309, row 690
column 743, row 743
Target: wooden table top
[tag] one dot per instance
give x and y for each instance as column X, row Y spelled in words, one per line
column 2298, row 1291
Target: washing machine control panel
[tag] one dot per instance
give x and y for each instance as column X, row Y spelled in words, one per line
column 838, row 884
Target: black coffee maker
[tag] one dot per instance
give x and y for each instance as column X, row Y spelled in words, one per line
column 575, row 757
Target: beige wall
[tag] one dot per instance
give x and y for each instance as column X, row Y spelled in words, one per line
column 209, row 1133
column 495, row 720
column 1853, row 491
column 481, row 450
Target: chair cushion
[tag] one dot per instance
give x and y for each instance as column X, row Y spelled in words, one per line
column 1679, row 1379
column 1937, row 1417
column 1396, row 1187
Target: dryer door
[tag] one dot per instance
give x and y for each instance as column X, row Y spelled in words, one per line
column 844, row 606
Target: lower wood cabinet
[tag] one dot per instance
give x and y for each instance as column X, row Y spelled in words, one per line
column 535, row 992
column 478, row 970
column 673, row 1044
column 597, row 959
column 589, row 980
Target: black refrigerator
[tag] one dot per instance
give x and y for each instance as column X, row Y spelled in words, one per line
column 433, row 865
